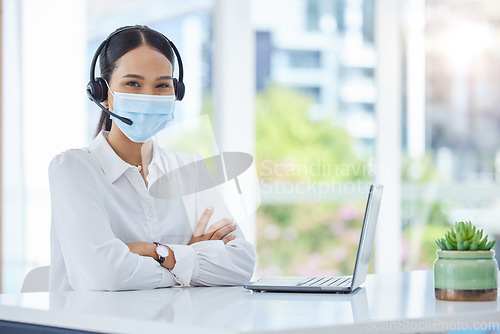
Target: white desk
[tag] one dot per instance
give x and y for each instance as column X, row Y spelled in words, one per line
column 400, row 302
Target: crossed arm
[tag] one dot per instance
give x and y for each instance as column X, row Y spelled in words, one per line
column 218, row 231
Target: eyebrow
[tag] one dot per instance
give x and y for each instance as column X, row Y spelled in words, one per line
column 140, row 77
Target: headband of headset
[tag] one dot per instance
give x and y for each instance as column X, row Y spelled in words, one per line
column 97, row 89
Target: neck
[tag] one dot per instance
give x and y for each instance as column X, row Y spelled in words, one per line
column 129, row 151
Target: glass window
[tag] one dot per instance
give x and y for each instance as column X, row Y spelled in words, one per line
column 304, row 59
column 454, row 178
column 313, row 15
column 313, row 162
column 315, row 124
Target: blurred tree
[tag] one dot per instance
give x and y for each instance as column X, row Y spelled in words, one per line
column 314, row 238
column 425, row 218
column 291, row 146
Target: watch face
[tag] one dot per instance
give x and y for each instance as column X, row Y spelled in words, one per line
column 162, row 250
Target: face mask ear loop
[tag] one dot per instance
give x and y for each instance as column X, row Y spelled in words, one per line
column 107, row 84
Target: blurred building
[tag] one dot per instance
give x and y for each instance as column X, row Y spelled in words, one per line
column 324, row 49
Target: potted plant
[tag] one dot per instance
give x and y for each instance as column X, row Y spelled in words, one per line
column 465, row 268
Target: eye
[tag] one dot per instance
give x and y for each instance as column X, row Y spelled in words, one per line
column 133, row 84
column 163, row 85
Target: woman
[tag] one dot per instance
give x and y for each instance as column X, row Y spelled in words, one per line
column 108, row 232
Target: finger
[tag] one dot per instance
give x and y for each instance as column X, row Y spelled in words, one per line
column 194, row 240
column 229, row 238
column 221, row 233
column 199, row 238
column 220, row 224
column 202, row 223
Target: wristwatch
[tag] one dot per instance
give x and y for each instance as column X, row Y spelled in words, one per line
column 162, row 252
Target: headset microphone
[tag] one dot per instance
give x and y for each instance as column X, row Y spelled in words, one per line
column 107, row 111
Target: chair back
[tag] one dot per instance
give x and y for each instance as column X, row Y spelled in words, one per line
column 37, row 280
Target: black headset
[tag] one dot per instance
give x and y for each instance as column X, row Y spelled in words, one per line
column 97, row 89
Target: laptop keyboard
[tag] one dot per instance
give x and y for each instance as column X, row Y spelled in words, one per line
column 328, row 281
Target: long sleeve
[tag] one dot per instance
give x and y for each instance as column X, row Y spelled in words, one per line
column 211, row 263
column 219, row 264
column 83, row 238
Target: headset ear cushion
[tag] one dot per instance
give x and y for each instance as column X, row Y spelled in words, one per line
column 92, row 89
column 179, row 89
column 98, row 89
column 102, row 90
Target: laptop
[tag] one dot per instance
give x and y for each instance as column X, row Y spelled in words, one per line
column 337, row 284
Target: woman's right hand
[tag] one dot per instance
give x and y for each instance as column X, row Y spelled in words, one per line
column 217, row 231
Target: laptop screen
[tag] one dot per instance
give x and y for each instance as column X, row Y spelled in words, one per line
column 367, row 235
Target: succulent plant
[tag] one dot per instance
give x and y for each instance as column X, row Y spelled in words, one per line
column 465, row 237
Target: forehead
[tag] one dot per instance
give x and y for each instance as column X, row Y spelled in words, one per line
column 144, row 60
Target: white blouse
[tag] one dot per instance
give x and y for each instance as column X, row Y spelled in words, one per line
column 100, row 203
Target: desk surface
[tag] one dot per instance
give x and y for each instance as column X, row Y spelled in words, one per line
column 396, row 302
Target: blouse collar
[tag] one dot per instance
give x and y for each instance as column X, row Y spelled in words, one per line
column 113, row 166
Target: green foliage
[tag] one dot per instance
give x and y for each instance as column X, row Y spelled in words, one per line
column 425, row 218
column 419, row 170
column 308, row 239
column 437, row 215
column 465, row 237
column 289, row 145
column 419, row 246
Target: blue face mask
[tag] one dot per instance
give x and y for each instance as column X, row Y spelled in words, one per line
column 149, row 113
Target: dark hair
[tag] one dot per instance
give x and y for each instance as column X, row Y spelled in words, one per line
column 121, row 43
